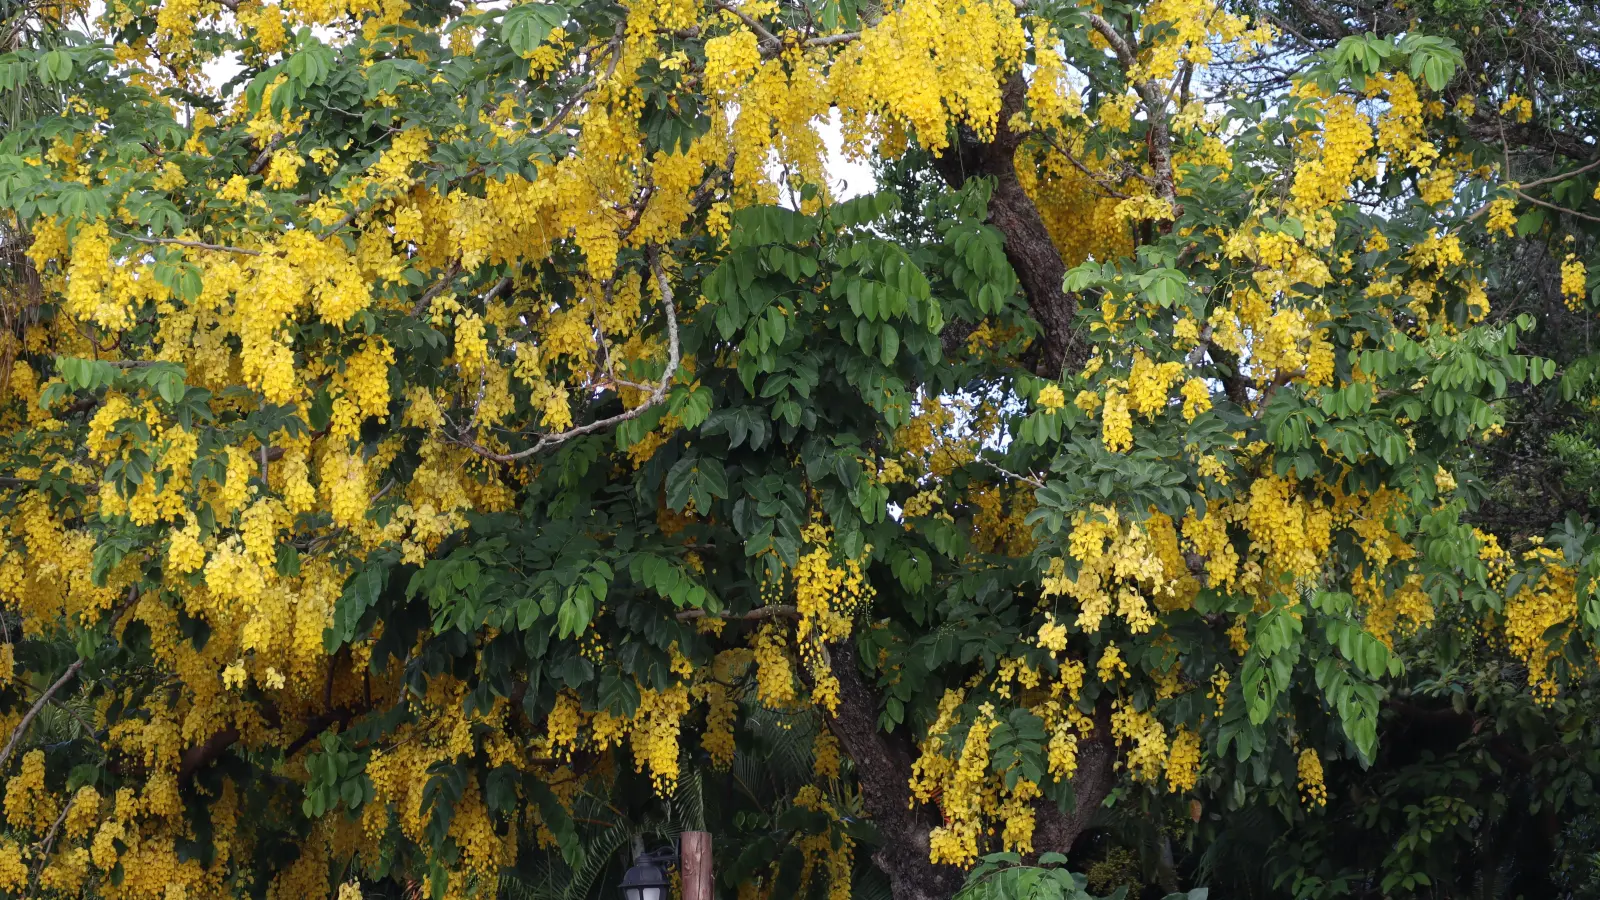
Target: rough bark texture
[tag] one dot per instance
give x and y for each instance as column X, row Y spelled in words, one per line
column 1028, row 246
column 883, row 769
column 1055, row 831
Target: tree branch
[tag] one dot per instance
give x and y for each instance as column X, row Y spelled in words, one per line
column 48, row 842
column 1119, row 44
column 656, row 396
column 765, row 612
column 201, row 755
column 770, row 44
column 196, row 245
column 1335, row 28
column 1560, row 209
column 44, row 698
column 436, row 289
column 766, row 41
column 1563, row 176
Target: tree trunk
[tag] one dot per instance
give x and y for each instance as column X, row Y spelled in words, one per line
column 1055, row 831
column 1028, row 246
column 883, row 770
column 883, row 761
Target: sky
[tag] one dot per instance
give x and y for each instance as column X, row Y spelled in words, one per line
column 848, row 178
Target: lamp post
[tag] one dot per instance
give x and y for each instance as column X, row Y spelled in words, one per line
column 647, row 878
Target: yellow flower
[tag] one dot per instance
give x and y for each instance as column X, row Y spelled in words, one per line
column 1312, row 789
column 1574, row 281
column 1502, row 217
column 1196, row 398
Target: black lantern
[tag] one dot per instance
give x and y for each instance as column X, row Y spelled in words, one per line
column 647, row 879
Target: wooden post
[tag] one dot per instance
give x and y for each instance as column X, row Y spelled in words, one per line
column 695, row 865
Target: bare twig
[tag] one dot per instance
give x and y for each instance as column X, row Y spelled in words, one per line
column 1519, row 188
column 1105, row 183
column 87, row 728
column 33, row 711
column 44, row 698
column 827, row 40
column 48, row 842
column 1560, row 209
column 657, row 395
column 1559, row 177
column 1325, row 20
column 197, row 245
column 1034, row 480
column 131, row 363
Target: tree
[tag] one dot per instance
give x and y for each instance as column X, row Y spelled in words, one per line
column 438, row 420
column 1477, row 790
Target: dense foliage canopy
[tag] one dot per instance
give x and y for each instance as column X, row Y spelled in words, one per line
column 441, row 442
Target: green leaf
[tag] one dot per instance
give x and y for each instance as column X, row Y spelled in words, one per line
column 526, row 26
column 55, row 66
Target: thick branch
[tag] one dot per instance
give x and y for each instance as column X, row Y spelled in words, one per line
column 201, row 755
column 1119, row 44
column 1057, row 831
column 1029, row 248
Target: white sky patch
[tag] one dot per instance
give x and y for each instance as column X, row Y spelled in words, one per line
column 847, row 177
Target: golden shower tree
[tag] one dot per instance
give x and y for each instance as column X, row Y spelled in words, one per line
column 418, row 417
